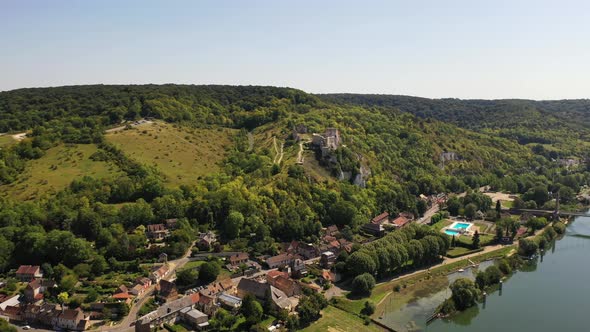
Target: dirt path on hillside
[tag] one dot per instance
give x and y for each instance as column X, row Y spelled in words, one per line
column 132, row 124
column 250, row 141
column 278, row 154
column 300, row 154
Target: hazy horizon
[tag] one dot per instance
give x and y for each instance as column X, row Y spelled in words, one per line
column 457, row 49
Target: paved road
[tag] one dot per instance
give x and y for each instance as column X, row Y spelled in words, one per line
column 124, row 325
column 428, row 214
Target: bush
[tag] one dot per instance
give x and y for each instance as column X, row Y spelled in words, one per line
column 363, row 284
column 527, row 247
column 493, row 275
column 369, row 308
column 559, row 227
column 465, row 293
column 208, row 272
column 504, row 266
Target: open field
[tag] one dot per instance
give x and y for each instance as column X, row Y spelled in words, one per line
column 56, row 170
column 181, row 154
column 336, row 320
column 6, row 140
column 441, row 224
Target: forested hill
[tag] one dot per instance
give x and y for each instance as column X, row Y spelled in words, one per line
column 99, row 163
column 559, row 126
column 238, row 106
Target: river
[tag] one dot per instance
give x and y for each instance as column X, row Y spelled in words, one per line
column 549, row 294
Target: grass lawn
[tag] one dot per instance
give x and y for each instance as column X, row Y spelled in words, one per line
column 441, row 224
column 56, row 170
column 192, row 265
column 266, row 323
column 336, row 320
column 507, row 204
column 458, row 251
column 484, row 240
column 182, row 154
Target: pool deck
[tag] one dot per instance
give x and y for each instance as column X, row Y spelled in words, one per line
column 467, row 230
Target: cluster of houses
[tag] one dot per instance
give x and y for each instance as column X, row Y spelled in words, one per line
column 197, row 305
column 31, row 308
column 381, row 223
column 158, row 232
column 295, row 253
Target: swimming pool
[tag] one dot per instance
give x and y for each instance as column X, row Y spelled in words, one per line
column 458, row 228
column 451, row 232
column 461, row 225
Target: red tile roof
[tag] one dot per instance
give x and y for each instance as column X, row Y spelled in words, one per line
column 383, row 217
column 156, row 228
column 27, row 269
column 401, row 221
column 275, row 273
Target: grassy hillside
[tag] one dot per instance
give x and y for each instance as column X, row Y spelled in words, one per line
column 181, row 154
column 56, row 170
column 6, row 140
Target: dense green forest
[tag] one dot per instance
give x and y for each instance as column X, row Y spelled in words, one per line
column 252, row 201
column 555, row 128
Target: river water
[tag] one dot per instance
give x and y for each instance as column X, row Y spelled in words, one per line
column 549, row 294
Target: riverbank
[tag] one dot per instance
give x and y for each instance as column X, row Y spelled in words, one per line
column 418, row 283
column 544, row 287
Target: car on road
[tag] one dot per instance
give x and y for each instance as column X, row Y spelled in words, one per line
column 26, row 327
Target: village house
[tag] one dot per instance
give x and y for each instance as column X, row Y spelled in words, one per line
column 276, row 273
column 329, row 277
column 206, row 304
column 206, row 240
column 381, row 219
column 144, row 282
column 332, row 230
column 157, row 231
column 70, row 319
column 374, row 229
column 298, row 268
column 166, row 291
column 43, row 314
column 33, row 291
column 307, row 250
column 159, row 272
column 262, row 290
column 171, row 223
column 327, row 259
column 286, row 285
column 26, row 273
column 239, row 258
column 401, row 221
column 281, row 260
column 12, row 313
column 122, row 294
column 137, row 290
column 166, row 313
column 230, row 302
column 195, row 318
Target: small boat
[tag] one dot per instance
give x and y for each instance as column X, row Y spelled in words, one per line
column 460, row 270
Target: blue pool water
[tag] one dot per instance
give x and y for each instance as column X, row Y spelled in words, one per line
column 461, row 225
column 451, row 232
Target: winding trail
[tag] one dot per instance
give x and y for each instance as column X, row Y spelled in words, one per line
column 300, row 154
column 250, row 141
column 278, row 154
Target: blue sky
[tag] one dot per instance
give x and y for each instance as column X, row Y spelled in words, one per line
column 464, row 49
